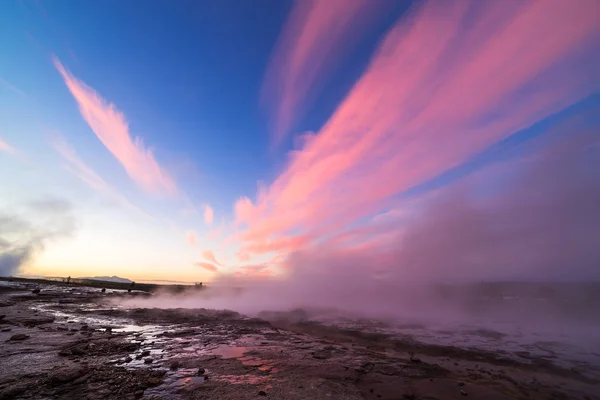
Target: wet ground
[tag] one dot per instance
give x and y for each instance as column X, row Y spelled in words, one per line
column 73, row 343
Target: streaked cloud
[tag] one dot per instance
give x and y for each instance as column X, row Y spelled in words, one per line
column 7, row 148
column 315, row 37
column 208, row 214
column 436, row 93
column 78, row 168
column 12, row 88
column 192, row 238
column 210, row 256
column 207, row 266
column 111, row 128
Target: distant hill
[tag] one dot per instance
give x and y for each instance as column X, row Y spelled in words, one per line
column 108, row 279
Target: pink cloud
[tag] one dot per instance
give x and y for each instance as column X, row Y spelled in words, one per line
column 210, row 256
column 192, row 238
column 111, row 127
column 315, row 38
column 436, row 93
column 208, row 214
column 207, row 266
column 6, row 147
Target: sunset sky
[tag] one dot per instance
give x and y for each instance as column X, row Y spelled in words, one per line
column 186, row 140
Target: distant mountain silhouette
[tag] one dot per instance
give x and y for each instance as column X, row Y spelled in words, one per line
column 108, row 279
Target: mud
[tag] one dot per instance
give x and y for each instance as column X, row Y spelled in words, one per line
column 74, row 343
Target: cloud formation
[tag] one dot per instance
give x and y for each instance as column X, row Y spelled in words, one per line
column 315, row 38
column 208, row 214
column 207, row 266
column 210, row 256
column 111, row 128
column 82, row 171
column 7, row 148
column 192, row 238
column 437, row 92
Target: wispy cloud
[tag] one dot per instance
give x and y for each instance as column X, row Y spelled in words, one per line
column 7, row 148
column 78, row 168
column 437, row 92
column 208, row 214
column 111, row 127
column 12, row 87
column 192, row 238
column 207, row 266
column 210, row 256
column 316, row 36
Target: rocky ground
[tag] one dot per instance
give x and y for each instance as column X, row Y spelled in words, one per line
column 71, row 343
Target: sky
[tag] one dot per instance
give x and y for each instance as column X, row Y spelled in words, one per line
column 196, row 140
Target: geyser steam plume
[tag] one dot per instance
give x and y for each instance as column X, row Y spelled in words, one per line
column 24, row 231
column 533, row 219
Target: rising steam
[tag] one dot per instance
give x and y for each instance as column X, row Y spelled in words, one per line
column 24, row 231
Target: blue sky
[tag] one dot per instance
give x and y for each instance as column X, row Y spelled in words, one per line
column 266, row 113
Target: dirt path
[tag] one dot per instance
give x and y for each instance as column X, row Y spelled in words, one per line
column 70, row 343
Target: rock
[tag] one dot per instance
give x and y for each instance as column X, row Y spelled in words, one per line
column 128, row 359
column 464, row 393
column 2, row 317
column 414, row 359
column 36, row 290
column 321, row 355
column 262, row 393
column 154, row 381
column 174, row 365
column 148, row 361
column 6, row 329
column 67, row 374
column 19, row 336
column 201, row 371
column 138, row 394
column 11, row 392
column 145, row 353
column 103, row 291
column 84, row 327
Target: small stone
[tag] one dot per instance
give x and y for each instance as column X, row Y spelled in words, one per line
column 145, row 353
column 36, row 291
column 201, row 371
column 19, row 336
column 103, row 291
column 262, row 393
column 2, row 317
column 139, row 394
column 148, row 361
column 464, row 393
column 6, row 329
column 154, row 381
column 174, row 365
column 128, row 359
column 66, row 375
column 84, row 327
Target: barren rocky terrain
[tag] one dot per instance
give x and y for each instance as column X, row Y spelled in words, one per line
column 73, row 343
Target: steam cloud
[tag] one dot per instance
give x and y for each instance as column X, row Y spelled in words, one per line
column 24, row 232
column 537, row 219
